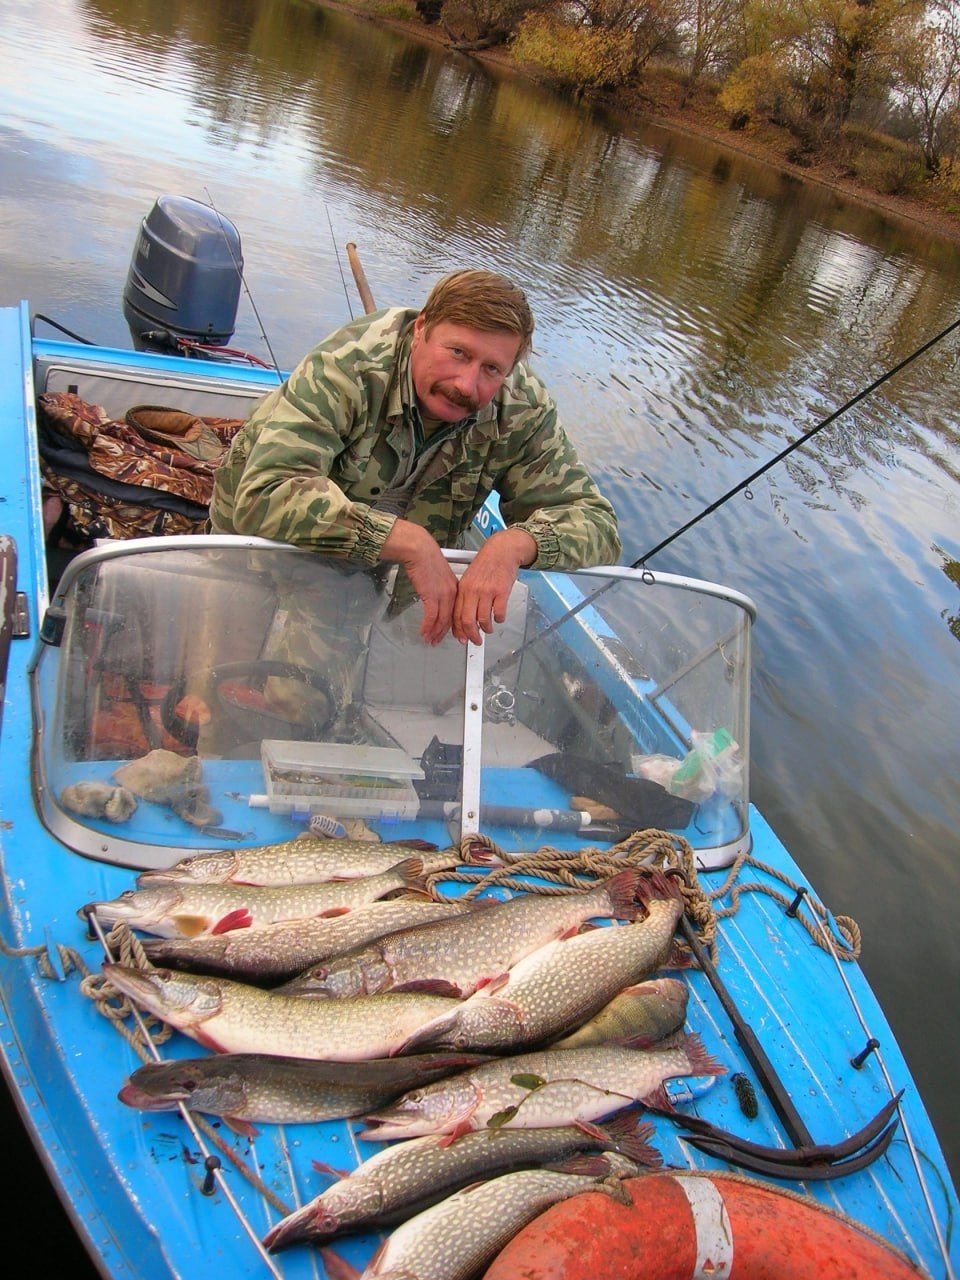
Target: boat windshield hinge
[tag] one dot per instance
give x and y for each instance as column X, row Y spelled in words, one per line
column 21, row 616
column 53, row 626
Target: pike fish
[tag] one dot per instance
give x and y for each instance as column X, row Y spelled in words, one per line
column 643, row 1014
column 187, row 910
column 407, row 1177
column 544, row 1088
column 255, row 1088
column 457, row 1238
column 234, row 1017
column 305, row 860
column 561, row 985
column 277, row 952
column 455, row 957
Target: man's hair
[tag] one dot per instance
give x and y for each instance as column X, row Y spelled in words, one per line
column 480, row 300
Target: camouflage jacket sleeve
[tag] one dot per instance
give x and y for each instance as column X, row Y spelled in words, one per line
column 288, row 471
column 547, row 491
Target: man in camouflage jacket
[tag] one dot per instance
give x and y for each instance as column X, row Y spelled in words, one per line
column 385, row 441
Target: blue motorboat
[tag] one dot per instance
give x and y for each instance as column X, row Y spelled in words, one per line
column 608, row 713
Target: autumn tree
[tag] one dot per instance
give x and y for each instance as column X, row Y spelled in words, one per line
column 927, row 82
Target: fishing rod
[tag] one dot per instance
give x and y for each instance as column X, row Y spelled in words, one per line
column 238, row 267
column 801, row 440
column 640, row 563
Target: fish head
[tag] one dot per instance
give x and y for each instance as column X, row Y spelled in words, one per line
column 476, row 1025
column 182, row 999
column 202, row 868
column 445, row 1106
column 137, row 908
column 203, row 1084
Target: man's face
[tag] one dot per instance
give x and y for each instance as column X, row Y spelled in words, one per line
column 457, row 370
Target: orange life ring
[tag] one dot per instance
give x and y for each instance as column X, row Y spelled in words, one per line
column 691, row 1226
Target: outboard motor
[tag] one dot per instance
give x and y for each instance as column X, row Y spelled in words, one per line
column 185, row 276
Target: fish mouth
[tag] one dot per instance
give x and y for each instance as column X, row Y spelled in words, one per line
column 144, row 1101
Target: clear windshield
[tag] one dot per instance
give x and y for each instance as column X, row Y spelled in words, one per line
column 197, row 692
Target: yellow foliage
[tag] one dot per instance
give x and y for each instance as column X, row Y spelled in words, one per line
column 574, row 56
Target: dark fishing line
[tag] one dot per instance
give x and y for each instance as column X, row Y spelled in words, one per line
column 639, row 563
column 336, row 254
column 239, row 270
column 807, row 435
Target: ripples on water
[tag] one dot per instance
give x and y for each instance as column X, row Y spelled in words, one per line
column 696, row 312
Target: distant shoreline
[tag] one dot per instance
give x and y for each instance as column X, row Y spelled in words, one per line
column 765, row 144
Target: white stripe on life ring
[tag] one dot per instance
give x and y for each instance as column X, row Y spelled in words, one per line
column 712, row 1226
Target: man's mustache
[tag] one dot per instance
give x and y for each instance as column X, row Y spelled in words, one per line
column 450, row 392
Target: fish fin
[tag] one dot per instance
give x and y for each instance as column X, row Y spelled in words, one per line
column 622, row 1133
column 622, row 891
column 208, row 1041
column 413, row 874
column 677, row 957
column 657, row 886
column 701, row 1062
column 242, row 918
column 414, row 842
column 489, row 985
column 328, row 1170
column 659, row 1100
column 331, row 913
column 478, row 854
column 337, row 1268
column 190, row 926
column 242, row 1127
column 459, row 1129
column 431, row 986
column 591, row 1130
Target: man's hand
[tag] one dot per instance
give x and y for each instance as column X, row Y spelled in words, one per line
column 432, row 577
column 486, row 584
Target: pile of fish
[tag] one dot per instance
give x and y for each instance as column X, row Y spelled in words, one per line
column 508, row 1044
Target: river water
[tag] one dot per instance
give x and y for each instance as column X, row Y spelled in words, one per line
column 696, row 313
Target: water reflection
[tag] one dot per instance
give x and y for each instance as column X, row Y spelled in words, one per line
column 696, row 312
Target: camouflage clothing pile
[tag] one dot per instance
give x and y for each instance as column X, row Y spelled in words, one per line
column 147, row 475
column 330, row 458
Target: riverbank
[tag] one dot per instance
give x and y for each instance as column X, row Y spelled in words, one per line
column 657, row 102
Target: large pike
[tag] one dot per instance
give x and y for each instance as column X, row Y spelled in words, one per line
column 187, row 910
column 545, row 1088
column 255, row 1088
column 233, row 1017
column 305, row 860
column 277, row 952
column 561, row 985
column 455, row 957
column 407, row 1177
column 458, row 1237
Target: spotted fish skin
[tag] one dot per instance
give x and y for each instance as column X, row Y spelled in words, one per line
column 234, row 1017
column 256, row 1088
column 305, row 860
column 407, row 1177
column 455, row 1239
column 464, row 953
column 561, row 985
column 279, row 952
column 188, row 910
column 543, row 1088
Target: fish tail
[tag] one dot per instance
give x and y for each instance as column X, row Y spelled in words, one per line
column 656, row 886
column 413, row 874
column 622, row 890
column 622, row 1133
column 701, row 1062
